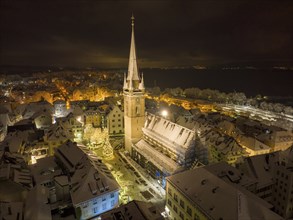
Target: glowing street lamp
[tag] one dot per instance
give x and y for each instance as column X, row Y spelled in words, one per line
column 164, row 113
column 79, row 119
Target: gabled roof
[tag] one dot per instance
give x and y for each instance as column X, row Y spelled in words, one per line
column 45, row 170
column 134, row 210
column 230, row 174
column 37, row 206
column 57, row 132
column 168, row 133
column 70, row 155
column 40, row 113
column 261, row 167
column 91, row 184
column 114, row 107
column 22, row 125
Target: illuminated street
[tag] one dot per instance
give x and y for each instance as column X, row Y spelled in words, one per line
column 135, row 183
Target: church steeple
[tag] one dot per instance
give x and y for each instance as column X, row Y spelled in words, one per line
column 141, row 84
column 132, row 65
column 134, row 100
column 124, row 82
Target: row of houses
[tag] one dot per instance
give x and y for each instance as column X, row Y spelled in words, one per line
column 107, row 115
column 44, row 127
column 69, row 184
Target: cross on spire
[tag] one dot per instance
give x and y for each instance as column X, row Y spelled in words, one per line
column 132, row 20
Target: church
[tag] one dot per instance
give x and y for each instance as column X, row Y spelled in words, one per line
column 160, row 146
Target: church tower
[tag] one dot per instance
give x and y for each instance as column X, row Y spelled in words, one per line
column 134, row 101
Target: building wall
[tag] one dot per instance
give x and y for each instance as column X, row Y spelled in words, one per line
column 43, row 121
column 134, row 117
column 93, row 118
column 179, row 206
column 283, row 191
column 151, row 169
column 98, row 205
column 115, row 122
column 60, row 109
column 38, row 153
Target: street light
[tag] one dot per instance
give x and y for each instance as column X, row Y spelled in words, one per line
column 164, row 113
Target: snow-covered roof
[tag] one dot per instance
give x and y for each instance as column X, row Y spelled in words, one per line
column 170, row 134
column 44, row 170
column 37, row 206
column 212, row 196
column 260, row 167
column 134, row 210
column 69, row 155
column 11, row 210
column 230, row 174
column 223, row 143
column 90, row 184
column 43, row 112
column 58, row 133
column 89, row 178
column 186, row 122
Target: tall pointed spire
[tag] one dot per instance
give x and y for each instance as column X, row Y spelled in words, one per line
column 134, row 99
column 132, row 66
column 141, row 84
column 130, row 86
column 124, row 82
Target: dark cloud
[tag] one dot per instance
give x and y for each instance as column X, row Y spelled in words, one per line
column 168, row 33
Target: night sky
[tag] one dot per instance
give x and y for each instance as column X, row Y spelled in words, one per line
column 168, row 33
